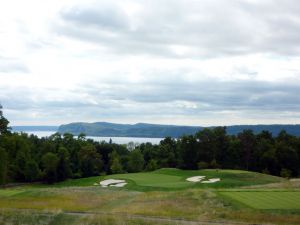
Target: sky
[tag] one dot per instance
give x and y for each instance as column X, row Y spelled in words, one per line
column 187, row 62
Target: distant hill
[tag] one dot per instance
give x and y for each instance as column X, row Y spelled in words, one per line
column 34, row 128
column 160, row 131
column 127, row 130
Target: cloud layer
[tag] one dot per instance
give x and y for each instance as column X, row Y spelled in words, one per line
column 190, row 62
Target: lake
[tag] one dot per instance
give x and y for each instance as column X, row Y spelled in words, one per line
column 117, row 140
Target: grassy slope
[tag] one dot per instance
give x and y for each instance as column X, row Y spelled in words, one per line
column 183, row 199
column 172, row 179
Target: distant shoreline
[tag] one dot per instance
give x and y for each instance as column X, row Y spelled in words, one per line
column 143, row 130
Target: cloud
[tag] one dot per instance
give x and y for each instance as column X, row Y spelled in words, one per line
column 9, row 65
column 188, row 28
column 150, row 102
column 104, row 17
column 206, row 62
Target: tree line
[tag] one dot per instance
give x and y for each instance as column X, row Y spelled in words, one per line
column 27, row 158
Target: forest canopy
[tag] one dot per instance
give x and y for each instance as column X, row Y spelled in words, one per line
column 27, row 158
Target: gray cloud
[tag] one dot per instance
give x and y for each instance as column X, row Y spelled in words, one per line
column 166, row 83
column 205, row 99
column 104, row 17
column 201, row 28
column 8, row 65
column 206, row 94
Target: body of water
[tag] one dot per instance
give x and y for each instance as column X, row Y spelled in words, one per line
column 117, row 140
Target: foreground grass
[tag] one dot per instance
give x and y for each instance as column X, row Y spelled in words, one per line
column 164, row 193
column 9, row 217
column 190, row 204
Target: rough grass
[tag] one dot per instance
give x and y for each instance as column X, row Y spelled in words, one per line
column 9, row 217
column 145, row 195
column 280, row 200
column 67, row 199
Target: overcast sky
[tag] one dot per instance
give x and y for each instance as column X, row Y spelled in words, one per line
column 192, row 62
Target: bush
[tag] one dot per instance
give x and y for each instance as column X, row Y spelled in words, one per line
column 285, row 173
column 152, row 165
column 214, row 165
column 202, row 165
column 266, row 171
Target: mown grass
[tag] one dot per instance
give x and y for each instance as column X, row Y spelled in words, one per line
column 82, row 182
column 175, row 179
column 170, row 179
column 280, row 200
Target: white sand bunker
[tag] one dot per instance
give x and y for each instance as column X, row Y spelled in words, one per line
column 213, row 180
column 201, row 179
column 195, row 179
column 113, row 183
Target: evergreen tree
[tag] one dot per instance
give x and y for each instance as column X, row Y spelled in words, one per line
column 3, row 166
column 63, row 165
column 90, row 161
column 136, row 161
column 115, row 163
column 50, row 161
column 3, row 123
column 32, row 171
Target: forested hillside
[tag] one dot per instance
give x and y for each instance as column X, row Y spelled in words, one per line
column 104, row 129
column 26, row 158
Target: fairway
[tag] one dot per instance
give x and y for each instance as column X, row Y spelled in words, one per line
column 155, row 180
column 285, row 200
column 176, row 179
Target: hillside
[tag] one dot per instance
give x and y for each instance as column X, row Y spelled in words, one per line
column 127, row 130
column 160, row 131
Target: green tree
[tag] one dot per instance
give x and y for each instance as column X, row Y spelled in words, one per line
column 248, row 143
column 81, row 137
column 222, row 145
column 22, row 158
column 287, row 158
column 152, row 165
column 203, row 165
column 90, row 161
column 207, row 145
column 115, row 163
column 3, row 166
column 3, row 123
column 50, row 161
column 189, row 152
column 285, row 173
column 168, row 155
column 63, row 166
column 32, row 171
column 136, row 161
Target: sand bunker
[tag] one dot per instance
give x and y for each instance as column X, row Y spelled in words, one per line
column 201, row 179
column 113, row 183
column 118, row 185
column 195, row 179
column 213, row 180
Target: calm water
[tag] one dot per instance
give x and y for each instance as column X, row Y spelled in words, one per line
column 117, row 140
